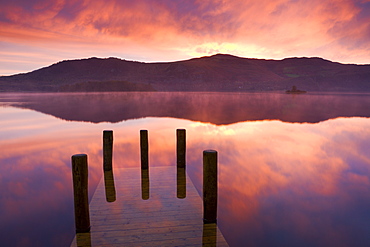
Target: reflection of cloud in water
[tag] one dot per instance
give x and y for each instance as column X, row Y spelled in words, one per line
column 287, row 188
column 280, row 184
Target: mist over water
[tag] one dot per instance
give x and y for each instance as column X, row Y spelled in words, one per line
column 216, row 108
column 293, row 171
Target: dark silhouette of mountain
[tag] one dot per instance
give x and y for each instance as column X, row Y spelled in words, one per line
column 216, row 108
column 215, row 73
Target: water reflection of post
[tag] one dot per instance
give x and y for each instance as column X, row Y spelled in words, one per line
column 181, row 183
column 80, row 191
column 107, row 149
column 145, row 184
column 110, row 189
column 83, row 239
column 144, row 150
column 209, row 237
column 181, row 163
column 210, row 186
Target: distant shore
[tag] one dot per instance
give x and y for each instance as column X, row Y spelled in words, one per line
column 218, row 73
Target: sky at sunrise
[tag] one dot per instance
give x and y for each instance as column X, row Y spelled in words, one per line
column 38, row 33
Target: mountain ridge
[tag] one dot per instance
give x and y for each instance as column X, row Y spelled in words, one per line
column 219, row 72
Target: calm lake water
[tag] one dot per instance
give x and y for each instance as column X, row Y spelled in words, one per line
column 294, row 170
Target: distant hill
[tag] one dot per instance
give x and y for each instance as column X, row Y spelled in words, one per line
column 105, row 86
column 214, row 73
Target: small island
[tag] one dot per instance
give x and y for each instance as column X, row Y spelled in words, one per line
column 295, row 90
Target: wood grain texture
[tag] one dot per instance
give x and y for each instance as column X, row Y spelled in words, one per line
column 161, row 220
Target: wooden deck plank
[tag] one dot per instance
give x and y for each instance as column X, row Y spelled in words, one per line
column 160, row 220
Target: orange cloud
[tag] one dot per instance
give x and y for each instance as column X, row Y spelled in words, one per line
column 166, row 30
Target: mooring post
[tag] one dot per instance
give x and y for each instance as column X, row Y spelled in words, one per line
column 80, row 191
column 210, row 186
column 107, row 149
column 144, row 149
column 181, row 147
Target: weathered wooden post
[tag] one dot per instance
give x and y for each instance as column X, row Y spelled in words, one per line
column 210, row 186
column 181, row 147
column 80, row 191
column 107, row 149
column 144, row 149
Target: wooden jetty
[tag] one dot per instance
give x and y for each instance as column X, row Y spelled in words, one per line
column 146, row 206
column 158, row 206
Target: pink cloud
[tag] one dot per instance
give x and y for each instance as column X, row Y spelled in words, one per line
column 167, row 30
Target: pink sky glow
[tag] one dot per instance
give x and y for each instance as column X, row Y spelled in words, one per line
column 37, row 33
